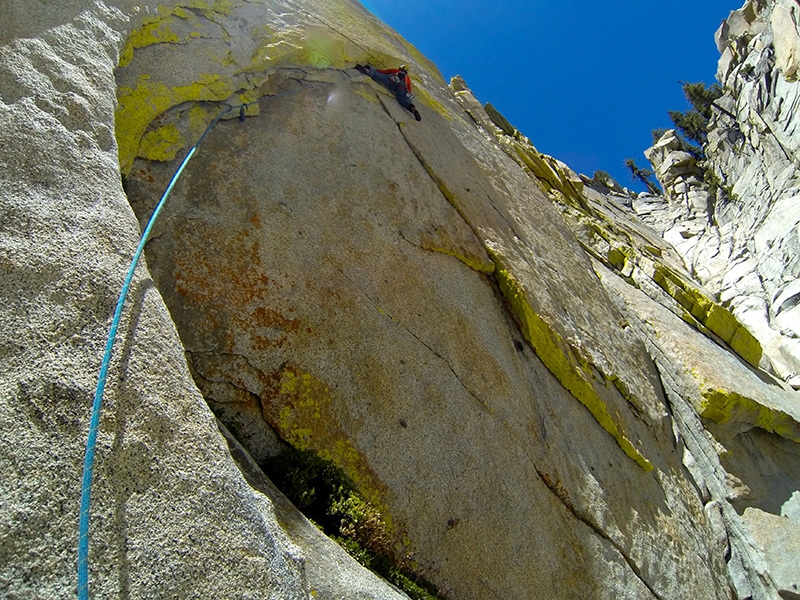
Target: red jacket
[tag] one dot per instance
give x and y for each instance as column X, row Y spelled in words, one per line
column 390, row 71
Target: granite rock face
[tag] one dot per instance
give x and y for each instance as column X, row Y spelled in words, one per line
column 739, row 235
column 725, row 413
column 528, row 383
column 172, row 515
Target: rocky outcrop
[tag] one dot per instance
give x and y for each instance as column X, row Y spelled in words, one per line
column 688, row 200
column 172, row 515
column 701, row 376
column 523, row 381
column 744, row 244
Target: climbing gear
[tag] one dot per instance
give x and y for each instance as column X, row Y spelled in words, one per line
column 88, row 463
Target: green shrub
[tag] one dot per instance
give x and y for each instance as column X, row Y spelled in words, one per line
column 325, row 495
column 642, row 175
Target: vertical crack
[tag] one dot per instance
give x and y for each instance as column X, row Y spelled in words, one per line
column 746, row 566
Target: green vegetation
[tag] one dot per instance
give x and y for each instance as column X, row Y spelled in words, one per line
column 721, row 191
column 692, row 125
column 328, row 497
column 605, row 179
column 642, row 175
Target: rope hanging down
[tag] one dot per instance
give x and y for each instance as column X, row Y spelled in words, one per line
column 88, row 463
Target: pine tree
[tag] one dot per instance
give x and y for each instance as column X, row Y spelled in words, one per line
column 693, row 124
column 642, row 175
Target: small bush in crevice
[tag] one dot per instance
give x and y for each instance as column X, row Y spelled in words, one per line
column 325, row 495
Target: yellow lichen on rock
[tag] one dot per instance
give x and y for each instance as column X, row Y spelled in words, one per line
column 747, row 346
column 137, row 107
column 553, row 176
column 712, row 315
column 431, row 102
column 561, row 360
column 155, row 30
column 302, row 414
column 199, row 118
column 162, row 144
column 723, row 406
column 473, row 262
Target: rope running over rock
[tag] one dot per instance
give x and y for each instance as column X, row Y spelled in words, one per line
column 88, row 463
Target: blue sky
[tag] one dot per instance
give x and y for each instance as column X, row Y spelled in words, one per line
column 585, row 80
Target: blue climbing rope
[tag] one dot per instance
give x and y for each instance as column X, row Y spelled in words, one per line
column 88, row 463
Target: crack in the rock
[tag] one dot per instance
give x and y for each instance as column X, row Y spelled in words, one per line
column 746, row 567
column 440, row 183
column 231, row 355
column 449, row 366
column 484, row 404
column 561, row 494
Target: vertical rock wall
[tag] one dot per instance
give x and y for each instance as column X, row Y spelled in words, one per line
column 522, row 379
column 172, row 515
column 747, row 249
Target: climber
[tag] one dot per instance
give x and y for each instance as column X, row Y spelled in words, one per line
column 398, row 81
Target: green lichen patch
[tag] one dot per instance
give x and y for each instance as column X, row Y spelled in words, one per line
column 719, row 320
column 561, row 360
column 625, row 260
column 158, row 29
column 552, row 177
column 431, row 102
column 300, row 409
column 724, row 406
column 747, row 346
column 199, row 118
column 473, row 262
column 155, row 30
column 617, row 258
column 712, row 315
column 656, row 252
column 137, row 107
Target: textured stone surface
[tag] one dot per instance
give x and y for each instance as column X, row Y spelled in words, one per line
column 172, row 516
column 694, row 342
column 675, row 351
column 744, row 244
column 417, row 303
column 370, row 315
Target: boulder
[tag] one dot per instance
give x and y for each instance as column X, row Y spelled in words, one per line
column 786, row 38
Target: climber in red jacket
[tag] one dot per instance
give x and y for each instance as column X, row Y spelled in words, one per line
column 398, row 82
